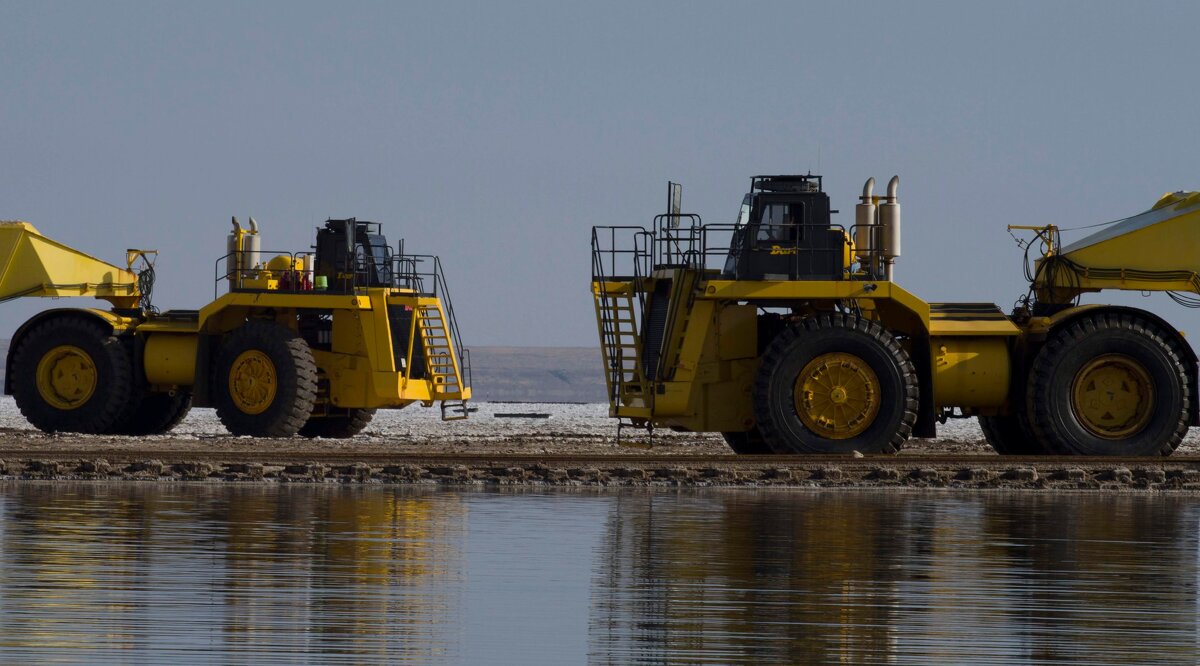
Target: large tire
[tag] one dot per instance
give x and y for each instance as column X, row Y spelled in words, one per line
column 868, row 402
column 1110, row 384
column 71, row 375
column 154, row 414
column 1011, row 435
column 749, row 443
column 339, row 426
column 265, row 381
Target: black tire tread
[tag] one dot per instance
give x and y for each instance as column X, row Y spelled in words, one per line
column 116, row 388
column 301, row 385
column 1075, row 332
column 777, row 352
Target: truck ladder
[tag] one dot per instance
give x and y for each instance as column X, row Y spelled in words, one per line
column 441, row 363
column 621, row 347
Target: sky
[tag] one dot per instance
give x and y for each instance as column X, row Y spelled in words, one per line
column 496, row 134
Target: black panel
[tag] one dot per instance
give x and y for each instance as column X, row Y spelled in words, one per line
column 352, row 254
column 655, row 323
column 926, row 425
column 400, row 320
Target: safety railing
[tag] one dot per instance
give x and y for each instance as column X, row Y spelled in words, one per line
column 788, row 251
column 795, row 251
column 422, row 273
column 676, row 244
column 238, row 277
column 620, row 255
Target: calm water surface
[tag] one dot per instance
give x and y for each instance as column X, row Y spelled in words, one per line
column 293, row 574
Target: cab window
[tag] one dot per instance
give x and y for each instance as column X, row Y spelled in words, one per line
column 780, row 222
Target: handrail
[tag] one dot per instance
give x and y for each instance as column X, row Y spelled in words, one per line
column 640, row 252
column 707, row 247
column 407, row 273
column 243, row 274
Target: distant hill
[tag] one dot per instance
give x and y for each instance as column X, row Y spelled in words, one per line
column 538, row 374
column 528, row 374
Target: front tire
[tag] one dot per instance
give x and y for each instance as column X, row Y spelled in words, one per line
column 1109, row 385
column 836, row 383
column 71, row 375
column 265, row 382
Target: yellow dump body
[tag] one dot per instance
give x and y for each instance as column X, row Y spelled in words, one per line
column 1157, row 250
column 34, row 265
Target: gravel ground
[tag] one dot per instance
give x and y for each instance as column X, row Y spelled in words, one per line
column 571, row 428
column 550, row 451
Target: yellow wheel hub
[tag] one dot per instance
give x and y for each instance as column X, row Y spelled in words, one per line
column 252, row 382
column 1113, row 396
column 837, row 395
column 66, row 377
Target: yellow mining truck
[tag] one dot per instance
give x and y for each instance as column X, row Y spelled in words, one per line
column 299, row 342
column 786, row 332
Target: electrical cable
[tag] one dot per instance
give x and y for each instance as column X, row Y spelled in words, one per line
column 145, row 284
column 1056, row 270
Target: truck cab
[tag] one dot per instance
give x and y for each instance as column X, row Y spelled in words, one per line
column 784, row 232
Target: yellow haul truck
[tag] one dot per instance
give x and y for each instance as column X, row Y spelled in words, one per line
column 786, row 333
column 310, row 343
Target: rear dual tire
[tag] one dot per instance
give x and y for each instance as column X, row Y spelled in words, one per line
column 749, row 443
column 154, row 414
column 338, row 426
column 1011, row 435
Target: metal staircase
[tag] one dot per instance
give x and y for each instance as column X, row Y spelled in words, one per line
column 441, row 363
column 621, row 346
column 620, row 302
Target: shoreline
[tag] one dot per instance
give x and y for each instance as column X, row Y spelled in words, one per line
column 576, row 447
column 626, row 471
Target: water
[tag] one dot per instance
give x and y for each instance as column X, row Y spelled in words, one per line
column 293, row 574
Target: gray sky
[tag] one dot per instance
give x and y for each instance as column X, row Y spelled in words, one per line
column 496, row 134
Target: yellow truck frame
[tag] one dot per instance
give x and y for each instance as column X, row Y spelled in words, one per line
column 822, row 352
column 276, row 354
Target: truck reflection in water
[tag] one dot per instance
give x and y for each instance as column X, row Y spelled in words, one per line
column 103, row 570
column 93, row 572
column 867, row 577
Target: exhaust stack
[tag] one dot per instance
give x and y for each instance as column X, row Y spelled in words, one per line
column 251, row 244
column 241, row 251
column 889, row 222
column 233, row 250
column 864, row 223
